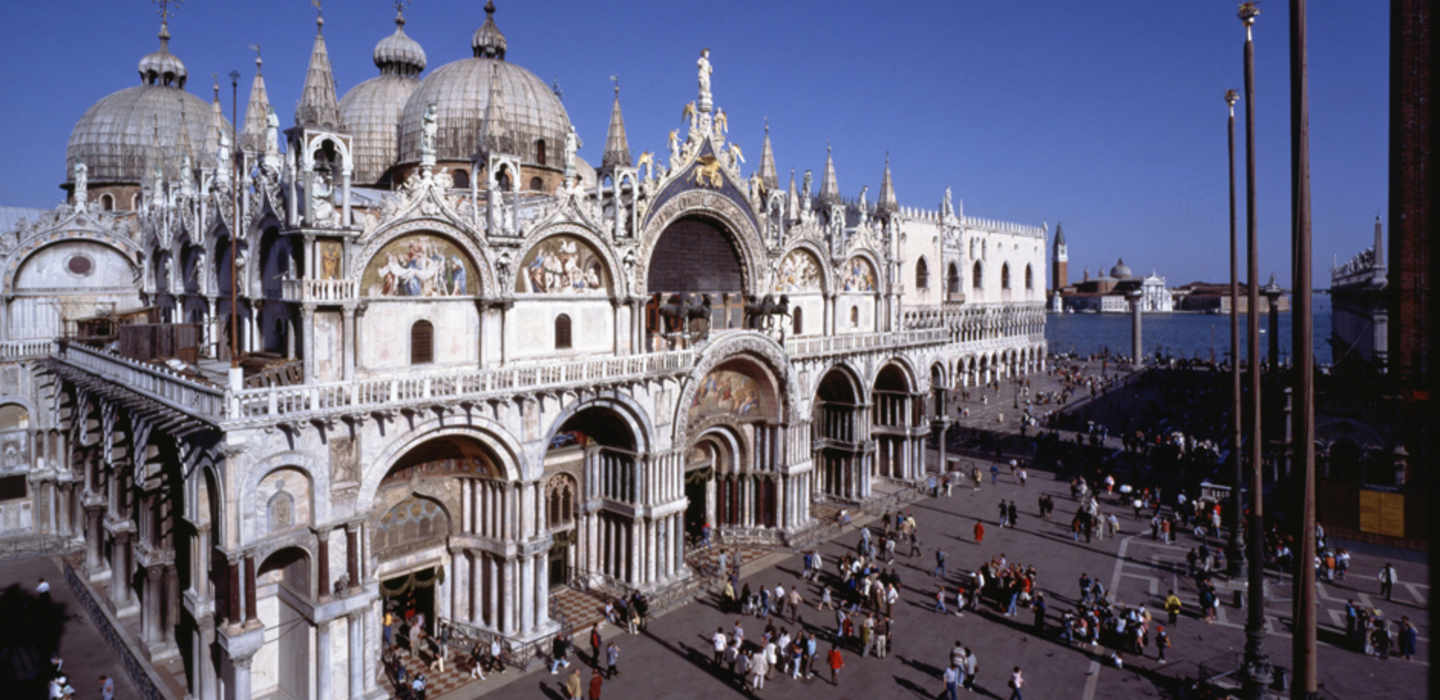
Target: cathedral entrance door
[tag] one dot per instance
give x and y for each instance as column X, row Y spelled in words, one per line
column 560, row 559
column 697, row 491
column 410, row 596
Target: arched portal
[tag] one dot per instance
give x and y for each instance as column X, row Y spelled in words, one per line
column 898, row 418
column 594, row 448
column 437, row 503
column 841, row 435
column 733, row 474
column 283, row 586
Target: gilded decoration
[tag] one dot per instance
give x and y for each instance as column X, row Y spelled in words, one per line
column 562, row 265
column 726, row 393
column 421, row 265
column 330, row 253
column 799, row 272
column 857, row 276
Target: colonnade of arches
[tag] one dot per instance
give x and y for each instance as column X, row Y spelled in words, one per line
column 862, row 433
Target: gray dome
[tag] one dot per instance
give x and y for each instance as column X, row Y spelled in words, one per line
column 1121, row 271
column 115, row 138
column 398, row 53
column 371, row 110
column 461, row 90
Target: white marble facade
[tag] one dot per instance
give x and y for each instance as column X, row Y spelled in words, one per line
column 484, row 379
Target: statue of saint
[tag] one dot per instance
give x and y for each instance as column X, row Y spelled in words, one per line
column 572, row 144
column 428, row 129
column 947, row 207
column 82, row 186
column 674, row 147
column 272, row 133
column 703, row 68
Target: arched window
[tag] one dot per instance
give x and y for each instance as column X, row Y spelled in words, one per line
column 854, row 317
column 540, row 152
column 107, row 202
column 503, row 178
column 922, row 274
column 135, row 202
column 562, row 332
column 975, row 275
column 797, row 323
column 537, row 184
column 461, row 178
column 1029, row 277
column 952, row 285
column 422, row 343
column 559, row 501
column 1005, row 276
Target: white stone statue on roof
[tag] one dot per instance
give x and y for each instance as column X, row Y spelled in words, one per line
column 947, row 206
column 429, row 127
column 572, row 144
column 82, row 186
column 704, row 69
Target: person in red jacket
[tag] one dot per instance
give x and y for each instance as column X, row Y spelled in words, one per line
column 979, row 532
column 595, row 682
column 837, row 662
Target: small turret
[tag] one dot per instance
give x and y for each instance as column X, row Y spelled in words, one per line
column 617, row 146
column 318, row 107
column 257, row 111
column 829, row 186
column 886, row 204
column 767, row 162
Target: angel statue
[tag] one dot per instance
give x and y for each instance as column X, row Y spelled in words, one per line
column 722, row 123
column 864, row 205
column 674, row 147
column 736, row 154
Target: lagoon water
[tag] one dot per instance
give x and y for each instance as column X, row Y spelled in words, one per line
column 1178, row 334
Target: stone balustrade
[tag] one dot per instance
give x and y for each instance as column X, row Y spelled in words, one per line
column 189, row 395
column 819, row 346
column 25, row 349
column 318, row 291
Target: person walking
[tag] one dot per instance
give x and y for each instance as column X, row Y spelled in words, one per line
column 940, row 563
column 837, row 662
column 940, row 600
column 1024, row 477
column 882, row 637
column 595, row 644
column 1014, row 514
column 1388, row 579
column 1162, row 642
column 596, row 681
column 1172, row 606
column 972, row 664
column 572, row 685
column 612, row 660
column 979, row 532
column 1407, row 637
column 559, row 650
column 1017, row 681
column 952, row 681
column 719, row 642
column 1004, row 521
column 1039, row 607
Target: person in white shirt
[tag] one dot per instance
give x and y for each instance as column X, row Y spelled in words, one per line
column 1017, row 681
column 43, row 588
column 952, row 681
column 719, row 642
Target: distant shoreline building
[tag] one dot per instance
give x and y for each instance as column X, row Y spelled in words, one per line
column 1359, row 312
column 1106, row 292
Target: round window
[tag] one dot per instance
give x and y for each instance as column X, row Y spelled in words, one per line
column 80, row 265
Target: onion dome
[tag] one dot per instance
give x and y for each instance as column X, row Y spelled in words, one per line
column 161, row 67
column 535, row 120
column 398, row 53
column 372, row 109
column 117, row 136
column 488, row 41
column 1121, row 271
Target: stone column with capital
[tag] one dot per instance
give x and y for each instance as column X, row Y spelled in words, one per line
column 322, row 660
column 1137, row 357
column 355, row 654
column 240, row 677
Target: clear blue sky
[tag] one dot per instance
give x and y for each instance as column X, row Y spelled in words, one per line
column 1106, row 116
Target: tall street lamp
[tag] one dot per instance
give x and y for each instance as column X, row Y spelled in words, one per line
column 1235, row 548
column 1303, row 647
column 1257, row 671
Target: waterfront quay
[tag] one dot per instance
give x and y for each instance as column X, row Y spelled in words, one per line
column 672, row 658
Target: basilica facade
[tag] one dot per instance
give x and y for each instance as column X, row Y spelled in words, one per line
column 258, row 381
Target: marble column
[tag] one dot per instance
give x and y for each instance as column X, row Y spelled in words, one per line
column 119, row 572
column 322, row 661
column 94, row 541
column 240, row 681
column 355, row 654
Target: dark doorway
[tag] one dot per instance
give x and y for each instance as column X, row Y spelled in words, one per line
column 696, row 482
column 560, row 560
column 410, row 596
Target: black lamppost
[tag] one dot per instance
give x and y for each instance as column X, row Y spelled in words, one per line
column 1256, row 672
column 1235, row 548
